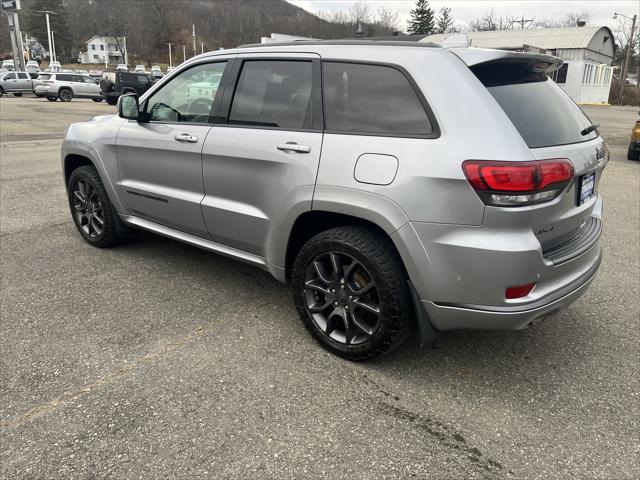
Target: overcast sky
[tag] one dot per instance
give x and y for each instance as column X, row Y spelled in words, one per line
column 601, row 11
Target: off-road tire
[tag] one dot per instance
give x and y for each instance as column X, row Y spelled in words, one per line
column 375, row 252
column 109, row 235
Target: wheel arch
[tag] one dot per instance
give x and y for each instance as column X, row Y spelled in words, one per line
column 77, row 154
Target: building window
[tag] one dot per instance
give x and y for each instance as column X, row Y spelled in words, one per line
column 93, row 47
column 101, row 47
column 587, row 74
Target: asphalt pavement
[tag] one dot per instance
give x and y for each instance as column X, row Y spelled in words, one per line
column 158, row 360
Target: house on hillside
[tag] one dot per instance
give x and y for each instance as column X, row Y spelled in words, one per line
column 587, row 52
column 106, row 50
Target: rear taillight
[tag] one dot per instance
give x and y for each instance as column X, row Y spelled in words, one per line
column 515, row 184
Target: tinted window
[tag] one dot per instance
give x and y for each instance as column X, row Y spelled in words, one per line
column 23, row 76
column 273, row 94
column 560, row 75
column 372, row 99
column 64, row 77
column 10, row 76
column 189, row 96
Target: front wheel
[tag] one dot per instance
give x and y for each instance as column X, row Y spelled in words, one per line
column 91, row 208
column 1, row 92
column 351, row 292
column 113, row 100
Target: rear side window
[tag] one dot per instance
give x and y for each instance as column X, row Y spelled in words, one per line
column 62, row 77
column 273, row 93
column 541, row 111
column 23, row 76
column 372, row 99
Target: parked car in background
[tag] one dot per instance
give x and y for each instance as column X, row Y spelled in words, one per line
column 66, row 86
column 16, row 83
column 634, row 142
column 156, row 72
column 122, row 67
column 8, row 64
column 96, row 74
column 55, row 66
column 348, row 169
column 140, row 69
column 170, row 69
column 114, row 84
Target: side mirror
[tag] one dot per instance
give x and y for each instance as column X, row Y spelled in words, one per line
column 128, row 107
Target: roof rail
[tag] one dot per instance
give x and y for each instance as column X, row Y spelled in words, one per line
column 350, row 41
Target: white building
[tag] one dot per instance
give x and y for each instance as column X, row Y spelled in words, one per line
column 587, row 53
column 103, row 50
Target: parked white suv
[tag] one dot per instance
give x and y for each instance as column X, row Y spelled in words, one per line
column 65, row 86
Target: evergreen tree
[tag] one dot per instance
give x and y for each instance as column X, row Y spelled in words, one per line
column 37, row 24
column 422, row 21
column 444, row 22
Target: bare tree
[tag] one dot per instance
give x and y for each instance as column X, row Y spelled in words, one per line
column 490, row 21
column 386, row 19
column 571, row 19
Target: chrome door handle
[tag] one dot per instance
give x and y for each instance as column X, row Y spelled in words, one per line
column 186, row 138
column 294, row 147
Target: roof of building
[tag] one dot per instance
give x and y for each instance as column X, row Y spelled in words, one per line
column 547, row 38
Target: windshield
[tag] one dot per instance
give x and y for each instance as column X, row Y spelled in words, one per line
column 541, row 111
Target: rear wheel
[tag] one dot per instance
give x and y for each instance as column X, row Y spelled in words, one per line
column 633, row 155
column 351, row 292
column 65, row 95
column 91, row 208
column 1, row 92
column 52, row 99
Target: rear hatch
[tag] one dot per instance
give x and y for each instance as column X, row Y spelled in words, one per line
column 553, row 127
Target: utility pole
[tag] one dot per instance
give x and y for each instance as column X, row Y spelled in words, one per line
column 170, row 63
column 53, row 46
column 201, row 47
column 184, row 53
column 49, row 42
column 126, row 55
column 193, row 34
column 627, row 59
column 26, row 44
column 523, row 21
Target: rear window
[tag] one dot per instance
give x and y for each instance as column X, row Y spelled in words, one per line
column 372, row 99
column 540, row 110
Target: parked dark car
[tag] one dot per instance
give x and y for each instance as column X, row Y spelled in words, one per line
column 114, row 84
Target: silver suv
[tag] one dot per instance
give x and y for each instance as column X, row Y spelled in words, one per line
column 389, row 183
column 66, row 86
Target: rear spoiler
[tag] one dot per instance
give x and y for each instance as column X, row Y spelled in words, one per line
column 538, row 62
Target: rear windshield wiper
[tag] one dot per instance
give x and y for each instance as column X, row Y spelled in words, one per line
column 589, row 129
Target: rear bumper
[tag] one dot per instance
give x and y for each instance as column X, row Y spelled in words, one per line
column 454, row 317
